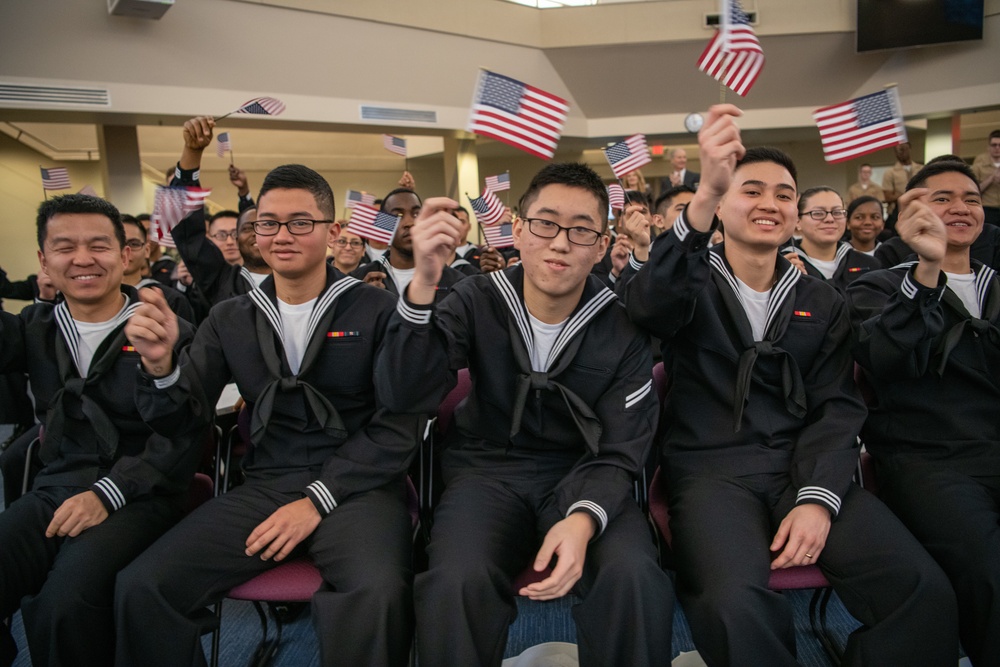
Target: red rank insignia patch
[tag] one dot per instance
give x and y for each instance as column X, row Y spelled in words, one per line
column 802, row 313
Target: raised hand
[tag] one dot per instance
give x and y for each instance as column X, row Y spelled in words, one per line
column 921, row 229
column 153, row 332
column 436, row 234
column 637, row 226
column 198, row 132
column 238, row 178
column 720, row 148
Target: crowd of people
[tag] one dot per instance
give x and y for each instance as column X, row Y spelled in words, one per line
column 790, row 323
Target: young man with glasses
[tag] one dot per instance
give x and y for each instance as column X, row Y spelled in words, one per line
column 135, row 240
column 216, row 274
column 326, row 471
column 539, row 463
column 760, row 431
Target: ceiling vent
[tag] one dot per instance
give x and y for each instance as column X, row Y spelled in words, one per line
column 386, row 113
column 46, row 95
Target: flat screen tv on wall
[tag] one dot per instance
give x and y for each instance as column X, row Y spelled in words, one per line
column 897, row 24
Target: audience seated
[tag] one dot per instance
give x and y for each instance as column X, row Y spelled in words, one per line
column 760, row 432
column 538, row 468
column 326, row 467
column 109, row 485
column 865, row 222
column 927, row 338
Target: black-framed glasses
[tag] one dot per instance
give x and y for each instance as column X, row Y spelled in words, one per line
column 820, row 214
column 295, row 227
column 135, row 244
column 222, row 236
column 547, row 229
column 354, row 243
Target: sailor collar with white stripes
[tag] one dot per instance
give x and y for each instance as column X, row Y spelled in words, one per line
column 577, row 322
column 786, row 279
column 262, row 299
column 70, row 334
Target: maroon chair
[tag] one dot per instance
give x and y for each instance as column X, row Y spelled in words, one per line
column 294, row 581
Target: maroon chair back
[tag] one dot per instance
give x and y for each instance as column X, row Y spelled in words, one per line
column 447, row 408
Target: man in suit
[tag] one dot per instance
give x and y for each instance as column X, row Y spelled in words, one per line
column 680, row 174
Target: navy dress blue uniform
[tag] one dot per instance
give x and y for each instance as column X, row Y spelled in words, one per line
column 95, row 439
column 528, row 448
column 319, row 434
column 753, row 428
column 933, row 430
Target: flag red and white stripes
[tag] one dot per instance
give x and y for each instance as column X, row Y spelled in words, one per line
column 733, row 55
column 517, row 114
column 498, row 183
column 263, row 106
column 170, row 206
column 55, row 178
column 628, row 155
column 394, row 144
column 616, row 196
column 223, row 144
column 860, row 126
column 370, row 223
column 488, row 207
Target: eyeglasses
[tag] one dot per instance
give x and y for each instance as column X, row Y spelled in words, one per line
column 820, row 214
column 356, row 243
column 222, row 236
column 547, row 229
column 295, row 227
column 135, row 244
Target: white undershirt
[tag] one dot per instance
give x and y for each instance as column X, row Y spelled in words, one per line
column 402, row 278
column 258, row 278
column 294, row 325
column 545, row 337
column 755, row 306
column 92, row 334
column 374, row 254
column 964, row 285
column 823, row 266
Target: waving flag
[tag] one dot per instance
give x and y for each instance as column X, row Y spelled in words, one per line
column 55, row 178
column 628, row 155
column 498, row 183
column 222, row 144
column 355, row 197
column 517, row 114
column 733, row 55
column 489, row 209
column 370, row 223
column 394, row 144
column 170, row 206
column 263, row 106
column 861, row 125
column 499, row 236
column 616, row 196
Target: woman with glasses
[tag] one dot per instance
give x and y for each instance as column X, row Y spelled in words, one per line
column 348, row 249
column 822, row 221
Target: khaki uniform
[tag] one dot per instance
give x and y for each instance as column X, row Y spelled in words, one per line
column 859, row 190
column 895, row 179
column 983, row 168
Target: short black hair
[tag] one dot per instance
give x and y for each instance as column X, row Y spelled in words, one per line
column 811, row 192
column 143, row 217
column 947, row 157
column 300, row 177
column 995, row 134
column 132, row 220
column 936, row 167
column 668, row 196
column 78, row 204
column 636, row 197
column 770, row 154
column 224, row 214
column 573, row 174
column 463, row 210
column 398, row 191
column 243, row 216
column 861, row 201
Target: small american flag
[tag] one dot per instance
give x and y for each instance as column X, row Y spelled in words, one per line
column 223, row 144
column 861, row 125
column 489, row 209
column 628, row 155
column 498, row 183
column 263, row 106
column 517, row 114
column 500, row 236
column 394, row 144
column 170, row 206
column 370, row 223
column 56, row 178
column 734, row 55
column 616, row 196
column 355, row 197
